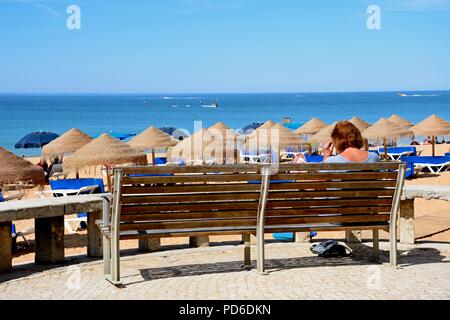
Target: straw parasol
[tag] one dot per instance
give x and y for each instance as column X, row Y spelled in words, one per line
column 359, row 123
column 277, row 136
column 202, row 145
column 324, row 135
column 432, row 126
column 400, row 121
column 267, row 125
column 105, row 150
column 15, row 169
column 385, row 129
column 69, row 142
column 311, row 127
column 221, row 130
column 152, row 138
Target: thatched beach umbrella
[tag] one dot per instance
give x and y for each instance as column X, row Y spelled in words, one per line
column 311, row 127
column 105, row 150
column 324, row 135
column 385, row 129
column 15, row 169
column 152, row 138
column 69, row 142
column 400, row 121
column 267, row 125
column 432, row 126
column 202, row 145
column 359, row 123
column 278, row 136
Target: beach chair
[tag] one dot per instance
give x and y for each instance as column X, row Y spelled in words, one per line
column 83, row 186
column 395, row 153
column 160, row 161
column 428, row 163
column 289, row 153
column 14, row 233
column 253, row 156
column 313, row 159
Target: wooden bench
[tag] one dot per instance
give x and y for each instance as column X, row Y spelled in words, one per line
column 173, row 201
column 331, row 197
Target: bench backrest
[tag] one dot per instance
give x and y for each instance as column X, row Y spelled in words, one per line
column 229, row 197
column 186, row 197
column 332, row 193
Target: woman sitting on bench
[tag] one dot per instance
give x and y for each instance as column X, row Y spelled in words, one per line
column 349, row 144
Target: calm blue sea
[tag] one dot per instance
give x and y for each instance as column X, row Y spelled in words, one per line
column 95, row 114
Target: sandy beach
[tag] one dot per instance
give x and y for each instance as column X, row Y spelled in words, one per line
column 432, row 218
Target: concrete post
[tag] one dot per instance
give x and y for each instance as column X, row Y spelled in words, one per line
column 201, row 241
column 353, row 236
column 5, row 247
column 94, row 248
column 407, row 221
column 150, row 244
column 49, row 240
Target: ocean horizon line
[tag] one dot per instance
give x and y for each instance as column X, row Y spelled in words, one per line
column 208, row 93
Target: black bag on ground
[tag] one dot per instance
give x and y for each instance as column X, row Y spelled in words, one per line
column 330, row 249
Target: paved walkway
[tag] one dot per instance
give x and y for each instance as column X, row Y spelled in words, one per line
column 216, row 273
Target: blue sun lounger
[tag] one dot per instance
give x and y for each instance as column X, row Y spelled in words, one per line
column 427, row 164
column 77, row 184
column 395, row 153
column 314, row 159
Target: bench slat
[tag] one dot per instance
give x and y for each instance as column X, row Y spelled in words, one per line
column 250, row 230
column 175, row 198
column 252, row 205
column 251, row 213
column 257, row 167
column 252, row 222
column 233, row 187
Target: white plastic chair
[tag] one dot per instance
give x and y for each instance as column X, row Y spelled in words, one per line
column 78, row 220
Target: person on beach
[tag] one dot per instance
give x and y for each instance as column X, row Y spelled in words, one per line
column 55, row 166
column 43, row 164
column 349, row 144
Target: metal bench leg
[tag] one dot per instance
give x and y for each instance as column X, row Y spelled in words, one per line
column 394, row 215
column 261, row 219
column 106, row 257
column 247, row 256
column 115, row 229
column 376, row 246
column 106, row 242
column 115, row 260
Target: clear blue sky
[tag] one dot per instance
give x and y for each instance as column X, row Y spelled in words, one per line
column 185, row 46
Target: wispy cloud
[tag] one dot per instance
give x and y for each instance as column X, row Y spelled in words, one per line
column 38, row 4
column 47, row 8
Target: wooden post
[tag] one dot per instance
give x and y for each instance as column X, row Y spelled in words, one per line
column 5, row 247
column 407, row 221
column 150, row 244
column 49, row 240
column 94, row 248
column 153, row 156
column 201, row 241
column 433, row 145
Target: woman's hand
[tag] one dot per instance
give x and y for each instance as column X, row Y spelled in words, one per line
column 327, row 150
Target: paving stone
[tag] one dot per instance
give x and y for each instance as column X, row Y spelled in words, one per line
column 217, row 273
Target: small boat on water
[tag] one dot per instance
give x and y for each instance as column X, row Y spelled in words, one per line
column 402, row 94
column 212, row 105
